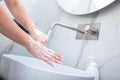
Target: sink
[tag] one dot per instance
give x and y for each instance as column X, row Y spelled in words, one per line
column 15, row 67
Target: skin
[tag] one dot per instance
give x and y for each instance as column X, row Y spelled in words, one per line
column 34, row 43
column 20, row 14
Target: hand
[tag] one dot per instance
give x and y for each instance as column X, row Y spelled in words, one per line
column 43, row 53
column 39, row 36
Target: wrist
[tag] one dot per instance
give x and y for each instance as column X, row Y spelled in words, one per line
column 31, row 27
column 28, row 42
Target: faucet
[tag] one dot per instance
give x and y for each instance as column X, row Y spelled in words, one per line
column 93, row 32
column 65, row 26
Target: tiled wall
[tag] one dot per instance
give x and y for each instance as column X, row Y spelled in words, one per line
column 106, row 49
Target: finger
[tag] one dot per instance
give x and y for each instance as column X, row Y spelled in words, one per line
column 45, row 37
column 52, row 58
column 46, row 41
column 60, row 57
column 45, row 59
column 43, row 41
column 46, row 54
column 55, row 55
column 50, row 55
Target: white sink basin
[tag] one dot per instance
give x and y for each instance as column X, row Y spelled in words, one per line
column 15, row 67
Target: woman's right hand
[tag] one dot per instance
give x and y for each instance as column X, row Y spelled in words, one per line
column 39, row 36
column 40, row 51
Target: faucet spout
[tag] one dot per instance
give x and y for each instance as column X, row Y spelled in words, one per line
column 66, row 26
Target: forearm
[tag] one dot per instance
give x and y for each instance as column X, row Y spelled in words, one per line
column 11, row 30
column 20, row 14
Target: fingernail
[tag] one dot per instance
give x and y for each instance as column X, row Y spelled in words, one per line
column 62, row 60
column 59, row 62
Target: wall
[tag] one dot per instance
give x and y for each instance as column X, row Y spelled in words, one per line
column 106, row 49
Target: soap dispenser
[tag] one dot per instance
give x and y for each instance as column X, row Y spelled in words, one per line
column 93, row 68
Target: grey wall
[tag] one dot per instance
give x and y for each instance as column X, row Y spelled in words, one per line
column 106, row 49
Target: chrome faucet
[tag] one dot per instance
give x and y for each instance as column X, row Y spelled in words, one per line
column 65, row 26
column 81, row 30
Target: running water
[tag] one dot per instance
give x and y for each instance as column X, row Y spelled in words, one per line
column 83, row 44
